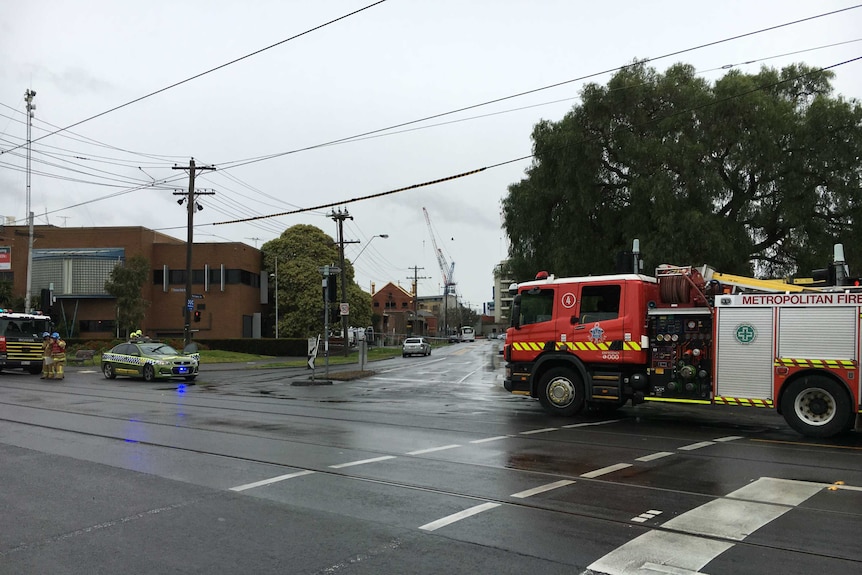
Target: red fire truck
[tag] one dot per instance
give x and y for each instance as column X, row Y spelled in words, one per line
column 691, row 336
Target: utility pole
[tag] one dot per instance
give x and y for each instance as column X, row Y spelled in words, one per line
column 416, row 279
column 192, row 206
column 339, row 218
column 30, row 106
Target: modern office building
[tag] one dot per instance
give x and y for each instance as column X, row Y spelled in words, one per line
column 229, row 289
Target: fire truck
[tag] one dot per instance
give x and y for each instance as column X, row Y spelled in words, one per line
column 21, row 340
column 690, row 336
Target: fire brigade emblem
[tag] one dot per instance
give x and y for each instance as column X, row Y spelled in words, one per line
column 597, row 334
column 746, row 333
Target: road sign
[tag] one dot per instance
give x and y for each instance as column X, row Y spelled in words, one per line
column 329, row 270
column 313, row 344
column 198, row 295
column 190, row 304
column 345, row 309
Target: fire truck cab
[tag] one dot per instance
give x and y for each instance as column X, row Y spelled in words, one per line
column 685, row 337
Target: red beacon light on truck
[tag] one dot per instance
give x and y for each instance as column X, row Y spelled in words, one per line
column 542, row 275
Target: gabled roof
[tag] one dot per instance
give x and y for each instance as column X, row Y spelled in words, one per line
column 392, row 287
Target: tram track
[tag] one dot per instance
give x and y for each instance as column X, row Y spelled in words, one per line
column 238, row 408
column 321, row 411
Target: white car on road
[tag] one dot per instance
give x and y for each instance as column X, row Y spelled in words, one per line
column 415, row 346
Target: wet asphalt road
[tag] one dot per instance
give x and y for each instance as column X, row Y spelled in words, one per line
column 428, row 466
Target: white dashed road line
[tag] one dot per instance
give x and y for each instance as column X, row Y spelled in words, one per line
column 487, row 439
column 449, row 519
column 646, row 516
column 573, row 425
column 654, row 456
column 271, row 480
column 605, row 470
column 362, row 462
column 545, row 430
column 694, row 446
column 542, row 489
column 432, row 449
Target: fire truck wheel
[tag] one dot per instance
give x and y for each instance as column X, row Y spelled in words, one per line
column 816, row 406
column 561, row 392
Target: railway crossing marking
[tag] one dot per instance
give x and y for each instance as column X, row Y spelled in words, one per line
column 690, row 541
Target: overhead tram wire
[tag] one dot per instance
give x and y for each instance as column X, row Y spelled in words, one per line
column 163, row 159
column 211, row 70
column 225, row 167
column 171, row 159
column 570, row 98
column 238, row 163
column 245, row 162
column 528, row 156
column 117, row 177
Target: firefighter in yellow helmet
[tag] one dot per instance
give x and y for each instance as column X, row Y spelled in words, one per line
column 58, row 356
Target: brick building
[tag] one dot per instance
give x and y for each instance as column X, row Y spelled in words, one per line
column 78, row 261
column 395, row 306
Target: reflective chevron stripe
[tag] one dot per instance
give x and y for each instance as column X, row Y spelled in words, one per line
column 744, row 401
column 577, row 346
column 819, row 363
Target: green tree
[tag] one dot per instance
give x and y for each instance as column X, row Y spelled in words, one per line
column 752, row 174
column 125, row 284
column 301, row 251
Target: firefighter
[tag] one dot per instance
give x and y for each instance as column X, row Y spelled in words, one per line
column 47, row 369
column 58, row 355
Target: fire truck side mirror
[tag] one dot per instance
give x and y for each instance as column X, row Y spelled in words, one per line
column 516, row 311
column 574, row 320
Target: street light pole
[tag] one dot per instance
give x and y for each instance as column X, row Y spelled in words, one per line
column 276, row 298
column 384, row 236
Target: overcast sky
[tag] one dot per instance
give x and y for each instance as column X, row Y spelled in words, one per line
column 393, row 63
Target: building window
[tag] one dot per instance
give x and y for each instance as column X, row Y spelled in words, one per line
column 199, row 277
column 97, row 325
column 377, row 304
column 75, row 271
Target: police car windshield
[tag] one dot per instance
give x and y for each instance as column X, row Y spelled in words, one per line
column 158, row 349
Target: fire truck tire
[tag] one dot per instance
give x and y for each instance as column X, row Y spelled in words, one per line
column 561, row 392
column 816, row 406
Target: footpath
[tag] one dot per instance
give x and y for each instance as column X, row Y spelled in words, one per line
column 337, row 371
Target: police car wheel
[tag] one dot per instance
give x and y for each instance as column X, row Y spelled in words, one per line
column 108, row 370
column 816, row 406
column 149, row 373
column 561, row 392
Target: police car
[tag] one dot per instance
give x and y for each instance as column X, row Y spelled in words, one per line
column 150, row 360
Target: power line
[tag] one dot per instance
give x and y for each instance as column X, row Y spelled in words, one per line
column 237, row 163
column 528, row 156
column 196, row 76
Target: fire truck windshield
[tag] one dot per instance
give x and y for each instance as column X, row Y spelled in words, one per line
column 536, row 306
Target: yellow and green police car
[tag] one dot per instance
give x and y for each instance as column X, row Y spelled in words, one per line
column 150, row 360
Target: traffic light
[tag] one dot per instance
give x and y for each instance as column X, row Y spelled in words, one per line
column 45, row 301
column 331, row 292
column 197, row 315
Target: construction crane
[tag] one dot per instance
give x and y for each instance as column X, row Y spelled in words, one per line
column 446, row 269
